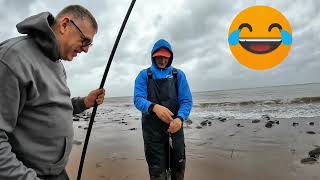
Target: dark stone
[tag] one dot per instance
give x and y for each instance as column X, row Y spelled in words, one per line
column 315, row 153
column 308, row 160
column 266, row 117
column 199, row 127
column 268, row 124
column 311, row 123
column 132, row 129
column 295, row 124
column 239, row 125
column 222, row 119
column 85, row 128
column 188, row 122
column 79, row 126
column 209, row 123
column 256, row 121
column 310, row 132
column 76, row 119
column 277, row 122
column 204, row 123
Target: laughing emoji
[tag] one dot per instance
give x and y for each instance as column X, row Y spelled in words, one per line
column 260, row 37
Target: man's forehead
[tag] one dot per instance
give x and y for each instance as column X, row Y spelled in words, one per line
column 86, row 27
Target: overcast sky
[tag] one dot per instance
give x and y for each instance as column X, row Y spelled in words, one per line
column 197, row 31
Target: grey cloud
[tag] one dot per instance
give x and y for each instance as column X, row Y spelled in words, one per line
column 198, row 32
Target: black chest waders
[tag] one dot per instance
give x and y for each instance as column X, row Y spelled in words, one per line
column 164, row 152
column 93, row 114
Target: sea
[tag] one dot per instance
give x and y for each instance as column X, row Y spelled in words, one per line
column 286, row 101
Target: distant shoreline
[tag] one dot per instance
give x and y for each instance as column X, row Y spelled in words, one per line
column 232, row 89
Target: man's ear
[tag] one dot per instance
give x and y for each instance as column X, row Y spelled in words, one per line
column 62, row 24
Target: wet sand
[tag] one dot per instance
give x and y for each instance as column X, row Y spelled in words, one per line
column 226, row 150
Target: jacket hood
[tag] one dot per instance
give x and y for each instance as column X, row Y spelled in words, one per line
column 39, row 28
column 161, row 43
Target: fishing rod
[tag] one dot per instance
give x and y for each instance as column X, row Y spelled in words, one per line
column 93, row 114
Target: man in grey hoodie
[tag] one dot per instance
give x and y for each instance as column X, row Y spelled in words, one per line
column 35, row 107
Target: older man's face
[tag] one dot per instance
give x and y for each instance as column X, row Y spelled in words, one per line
column 161, row 61
column 77, row 39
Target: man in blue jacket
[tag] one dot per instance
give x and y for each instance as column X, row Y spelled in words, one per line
column 163, row 96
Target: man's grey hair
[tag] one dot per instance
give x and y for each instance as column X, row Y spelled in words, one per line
column 78, row 12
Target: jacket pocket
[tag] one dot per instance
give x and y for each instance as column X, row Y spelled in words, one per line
column 57, row 167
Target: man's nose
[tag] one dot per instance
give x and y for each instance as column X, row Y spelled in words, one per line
column 161, row 59
column 85, row 48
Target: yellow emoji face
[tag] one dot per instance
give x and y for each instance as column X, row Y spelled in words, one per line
column 260, row 37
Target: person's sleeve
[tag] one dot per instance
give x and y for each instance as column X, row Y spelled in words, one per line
column 10, row 167
column 78, row 105
column 185, row 97
column 140, row 92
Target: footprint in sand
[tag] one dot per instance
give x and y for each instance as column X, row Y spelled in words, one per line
column 98, row 165
column 76, row 142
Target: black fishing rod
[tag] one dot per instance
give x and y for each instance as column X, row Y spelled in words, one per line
column 93, row 114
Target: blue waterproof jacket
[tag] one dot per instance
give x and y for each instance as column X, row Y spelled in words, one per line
column 140, row 88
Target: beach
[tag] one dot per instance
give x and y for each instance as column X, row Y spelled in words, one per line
column 270, row 144
column 223, row 150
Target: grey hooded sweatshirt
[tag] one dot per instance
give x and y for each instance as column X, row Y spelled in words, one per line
column 35, row 106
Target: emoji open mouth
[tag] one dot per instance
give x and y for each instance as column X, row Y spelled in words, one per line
column 260, row 46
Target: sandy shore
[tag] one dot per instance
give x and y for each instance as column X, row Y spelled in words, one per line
column 225, row 150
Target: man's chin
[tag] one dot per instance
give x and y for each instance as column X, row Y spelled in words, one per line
column 71, row 57
column 161, row 67
column 67, row 58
